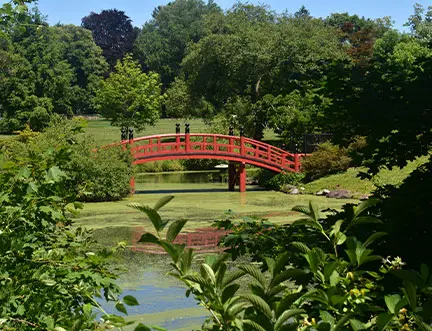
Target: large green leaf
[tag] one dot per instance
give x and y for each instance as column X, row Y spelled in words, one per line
column 365, row 205
column 233, row 276
column 302, row 247
column 229, row 292
column 287, row 274
column 364, row 220
column 130, row 300
column 152, row 214
column 162, row 202
column 383, row 321
column 258, row 303
column 286, row 315
column 255, row 273
column 340, row 324
column 357, row 325
column 207, row 273
column 281, row 262
column 149, row 238
column 391, row 302
column 54, row 174
column 186, row 260
column 373, row 237
column 220, row 274
column 253, row 326
column 121, row 308
column 410, row 291
column 327, row 317
column 142, row 327
column 198, row 279
column 175, row 251
column 286, row 303
column 174, row 229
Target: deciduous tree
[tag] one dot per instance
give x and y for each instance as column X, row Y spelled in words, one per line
column 113, row 32
column 163, row 40
column 130, row 98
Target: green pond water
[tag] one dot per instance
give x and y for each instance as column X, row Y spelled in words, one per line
column 162, row 298
column 201, row 198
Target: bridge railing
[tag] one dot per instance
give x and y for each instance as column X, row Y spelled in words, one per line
column 213, row 145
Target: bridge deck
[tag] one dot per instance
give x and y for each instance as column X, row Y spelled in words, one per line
column 212, row 146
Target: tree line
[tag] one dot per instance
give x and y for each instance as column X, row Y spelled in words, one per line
column 247, row 65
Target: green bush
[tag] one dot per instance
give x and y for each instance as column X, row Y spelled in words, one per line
column 50, row 271
column 355, row 150
column 39, row 119
column 327, row 159
column 328, row 278
column 277, row 182
column 160, row 166
column 96, row 175
column 102, row 175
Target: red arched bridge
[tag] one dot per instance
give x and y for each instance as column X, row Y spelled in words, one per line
column 238, row 150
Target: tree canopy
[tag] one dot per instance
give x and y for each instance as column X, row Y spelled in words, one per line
column 163, row 40
column 130, row 98
column 113, row 32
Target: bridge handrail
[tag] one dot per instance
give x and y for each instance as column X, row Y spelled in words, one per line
column 246, row 140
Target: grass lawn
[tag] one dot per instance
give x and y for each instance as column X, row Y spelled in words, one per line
column 349, row 180
column 104, row 133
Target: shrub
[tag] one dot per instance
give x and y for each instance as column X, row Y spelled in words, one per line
column 102, row 175
column 277, row 182
column 39, row 119
column 160, row 166
column 327, row 159
column 50, row 272
column 96, row 175
column 337, row 284
column 200, row 164
column 355, row 151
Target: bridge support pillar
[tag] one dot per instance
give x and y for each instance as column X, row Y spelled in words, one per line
column 237, row 176
column 242, row 177
column 232, row 172
column 132, row 185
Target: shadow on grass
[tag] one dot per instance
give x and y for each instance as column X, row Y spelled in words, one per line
column 198, row 190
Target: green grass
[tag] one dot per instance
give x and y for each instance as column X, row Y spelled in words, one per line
column 349, row 180
column 104, row 133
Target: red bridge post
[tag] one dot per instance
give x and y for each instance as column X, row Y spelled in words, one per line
column 242, row 175
column 177, row 148
column 296, row 162
column 231, row 164
column 132, row 180
column 187, row 137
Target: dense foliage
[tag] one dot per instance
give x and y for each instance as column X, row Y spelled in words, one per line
column 113, row 32
column 334, row 283
column 130, row 98
column 95, row 174
column 51, row 273
column 327, row 159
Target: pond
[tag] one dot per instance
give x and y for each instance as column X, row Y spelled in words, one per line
column 199, row 198
column 162, row 298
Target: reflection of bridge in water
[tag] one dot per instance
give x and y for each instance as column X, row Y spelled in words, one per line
column 238, row 150
column 203, row 240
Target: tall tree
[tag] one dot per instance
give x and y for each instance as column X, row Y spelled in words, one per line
column 129, row 97
column 359, row 33
column 162, row 42
column 113, row 32
column 251, row 52
column 421, row 24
